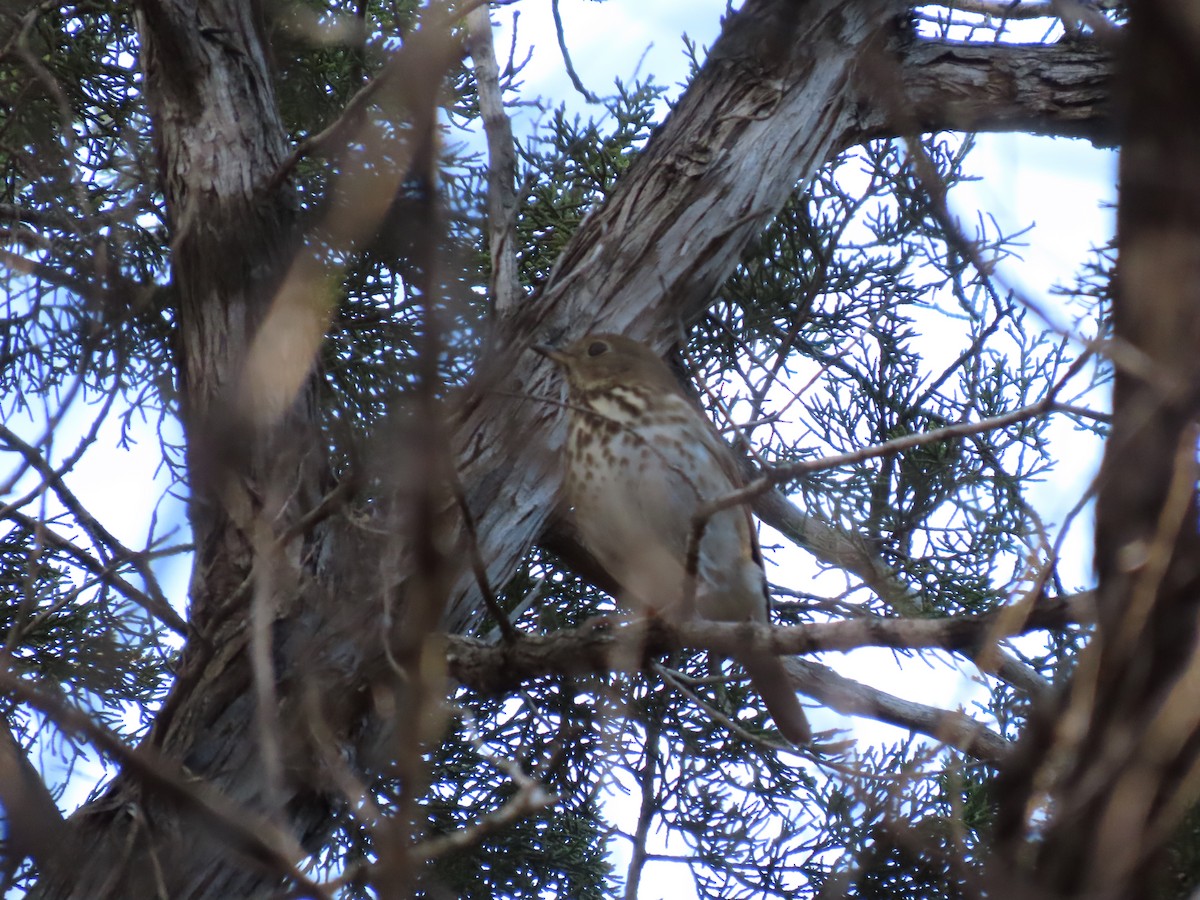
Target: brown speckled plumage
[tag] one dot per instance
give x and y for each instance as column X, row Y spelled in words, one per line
column 641, row 459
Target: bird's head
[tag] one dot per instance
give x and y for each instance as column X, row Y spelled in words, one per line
column 599, row 362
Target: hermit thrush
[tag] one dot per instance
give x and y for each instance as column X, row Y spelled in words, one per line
column 641, row 460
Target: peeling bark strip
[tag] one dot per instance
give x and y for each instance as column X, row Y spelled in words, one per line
column 1117, row 756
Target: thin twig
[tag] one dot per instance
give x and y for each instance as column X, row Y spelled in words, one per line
column 478, row 566
column 793, row 471
column 531, row 798
column 672, row 678
column 336, row 131
column 348, row 119
column 647, row 779
column 566, row 55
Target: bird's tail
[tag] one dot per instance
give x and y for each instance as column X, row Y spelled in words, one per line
column 772, row 681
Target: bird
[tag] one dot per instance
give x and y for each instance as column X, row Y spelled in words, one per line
column 642, row 459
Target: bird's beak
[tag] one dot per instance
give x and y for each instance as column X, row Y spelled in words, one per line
column 552, row 353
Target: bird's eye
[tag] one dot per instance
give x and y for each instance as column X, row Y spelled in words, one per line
column 597, row 348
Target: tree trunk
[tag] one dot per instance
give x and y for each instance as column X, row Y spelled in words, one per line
column 220, row 140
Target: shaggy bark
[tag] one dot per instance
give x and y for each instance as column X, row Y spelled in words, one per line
column 1064, row 90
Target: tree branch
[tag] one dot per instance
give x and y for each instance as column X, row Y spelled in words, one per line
column 502, row 163
column 850, row 697
column 781, row 474
column 837, row 547
column 1005, row 10
column 1063, row 90
column 591, row 649
column 498, row 668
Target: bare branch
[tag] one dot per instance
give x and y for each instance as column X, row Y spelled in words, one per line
column 999, row 9
column 566, row 55
column 837, row 547
column 782, row 474
column 591, row 649
column 845, row 695
column 1073, row 14
column 502, row 163
column 1061, row 89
